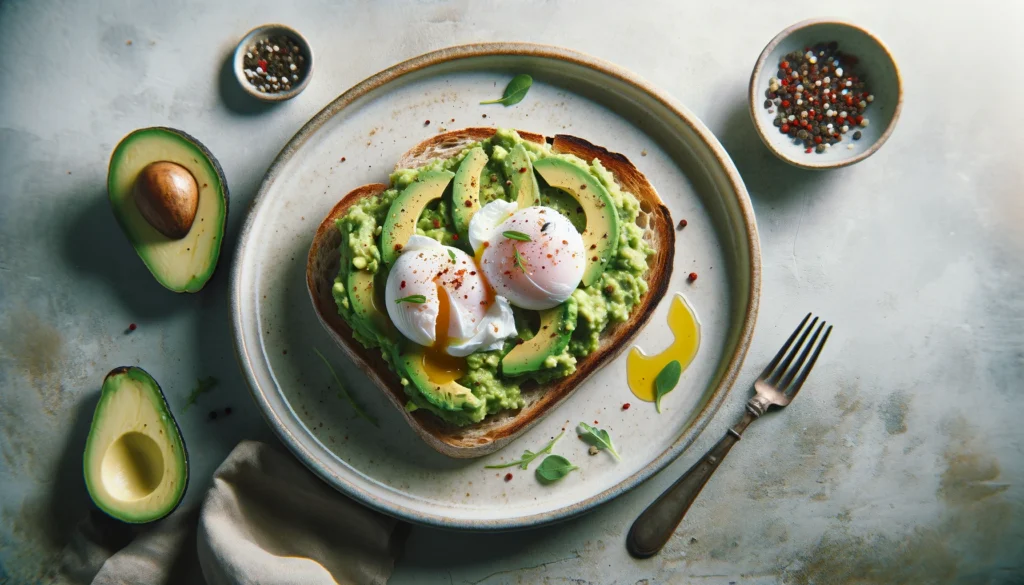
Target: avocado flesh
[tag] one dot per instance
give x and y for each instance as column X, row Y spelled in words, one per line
column 181, row 265
column 555, row 329
column 519, row 169
column 405, row 211
column 135, row 463
column 601, row 237
column 450, row 396
column 466, row 190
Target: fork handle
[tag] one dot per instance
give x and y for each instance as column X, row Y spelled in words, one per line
column 655, row 526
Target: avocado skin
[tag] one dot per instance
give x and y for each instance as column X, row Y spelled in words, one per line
column 213, row 162
column 171, row 423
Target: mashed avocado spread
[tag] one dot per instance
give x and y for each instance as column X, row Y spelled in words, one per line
column 589, row 310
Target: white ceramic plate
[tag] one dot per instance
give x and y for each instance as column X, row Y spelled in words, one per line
column 390, row 468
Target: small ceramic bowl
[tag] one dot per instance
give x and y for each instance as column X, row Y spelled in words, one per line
column 882, row 78
column 265, row 32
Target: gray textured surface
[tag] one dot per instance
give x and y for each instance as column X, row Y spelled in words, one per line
column 874, row 476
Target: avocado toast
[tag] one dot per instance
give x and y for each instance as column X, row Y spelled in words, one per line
column 605, row 248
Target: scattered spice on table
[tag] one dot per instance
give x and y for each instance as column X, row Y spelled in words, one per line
column 682, row 223
column 625, row 406
column 274, row 64
column 692, row 277
column 132, row 327
column 508, row 477
column 817, row 96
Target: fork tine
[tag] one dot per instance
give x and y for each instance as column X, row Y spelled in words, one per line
column 775, row 360
column 792, row 354
column 792, row 371
column 807, row 370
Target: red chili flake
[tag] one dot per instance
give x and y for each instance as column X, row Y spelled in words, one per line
column 595, row 422
column 508, row 477
column 469, row 203
column 437, row 223
column 522, row 170
column 342, row 159
column 692, row 277
column 808, row 149
column 682, row 224
column 398, row 247
column 455, row 236
column 625, row 406
column 427, row 123
column 262, row 64
column 403, row 284
column 133, row 327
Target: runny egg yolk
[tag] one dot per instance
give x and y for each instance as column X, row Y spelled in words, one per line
column 642, row 369
column 488, row 289
column 440, row 367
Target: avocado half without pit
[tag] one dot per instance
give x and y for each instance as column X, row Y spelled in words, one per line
column 170, row 197
column 135, row 463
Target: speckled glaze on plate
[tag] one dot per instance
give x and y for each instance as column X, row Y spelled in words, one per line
column 389, row 468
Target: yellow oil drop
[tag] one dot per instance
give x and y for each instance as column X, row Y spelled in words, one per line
column 642, row 369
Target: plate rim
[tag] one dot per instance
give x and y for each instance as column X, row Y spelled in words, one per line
column 467, row 51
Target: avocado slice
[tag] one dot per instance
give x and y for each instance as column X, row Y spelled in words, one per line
column 362, row 292
column 519, row 169
column 405, row 211
column 601, row 237
column 466, row 190
column 135, row 463
column 450, row 396
column 556, row 327
column 182, row 264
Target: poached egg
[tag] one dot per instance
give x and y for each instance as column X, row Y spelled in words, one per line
column 533, row 256
column 437, row 297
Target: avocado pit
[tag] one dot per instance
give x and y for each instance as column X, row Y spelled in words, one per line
column 167, row 196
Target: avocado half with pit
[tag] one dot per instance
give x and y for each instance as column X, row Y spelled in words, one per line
column 170, row 196
column 135, row 463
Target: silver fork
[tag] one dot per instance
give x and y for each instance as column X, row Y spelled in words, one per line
column 777, row 385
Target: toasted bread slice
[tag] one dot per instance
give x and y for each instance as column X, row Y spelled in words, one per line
column 497, row 430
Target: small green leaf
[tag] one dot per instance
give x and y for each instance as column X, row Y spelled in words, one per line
column 451, row 255
column 666, row 381
column 410, row 406
column 418, row 299
column 343, row 392
column 203, row 385
column 519, row 260
column 596, row 437
column 528, row 456
column 554, row 468
column 514, row 235
column 515, row 91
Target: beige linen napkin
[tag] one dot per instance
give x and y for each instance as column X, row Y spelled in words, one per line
column 267, row 520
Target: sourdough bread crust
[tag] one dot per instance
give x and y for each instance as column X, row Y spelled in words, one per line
column 495, row 431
